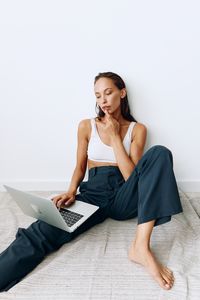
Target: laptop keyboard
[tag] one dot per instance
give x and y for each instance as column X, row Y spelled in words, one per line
column 70, row 217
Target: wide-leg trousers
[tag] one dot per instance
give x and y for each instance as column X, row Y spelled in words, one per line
column 149, row 193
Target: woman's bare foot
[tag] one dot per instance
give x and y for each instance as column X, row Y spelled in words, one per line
column 144, row 256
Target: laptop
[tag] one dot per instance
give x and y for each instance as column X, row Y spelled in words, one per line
column 44, row 209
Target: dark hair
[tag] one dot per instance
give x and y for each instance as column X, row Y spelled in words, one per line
column 119, row 83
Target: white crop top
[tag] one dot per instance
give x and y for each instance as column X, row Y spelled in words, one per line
column 101, row 152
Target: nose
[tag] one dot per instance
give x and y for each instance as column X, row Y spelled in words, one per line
column 104, row 100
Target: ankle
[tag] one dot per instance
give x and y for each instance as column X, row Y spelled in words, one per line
column 141, row 245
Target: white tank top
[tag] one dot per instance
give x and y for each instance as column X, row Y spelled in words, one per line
column 101, row 152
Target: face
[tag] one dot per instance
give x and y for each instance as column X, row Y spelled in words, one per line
column 108, row 95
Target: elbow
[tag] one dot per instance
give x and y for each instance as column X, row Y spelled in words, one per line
column 129, row 173
column 81, row 169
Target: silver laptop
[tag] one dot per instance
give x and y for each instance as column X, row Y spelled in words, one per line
column 67, row 218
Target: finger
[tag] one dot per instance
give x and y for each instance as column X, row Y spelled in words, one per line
column 108, row 116
column 55, row 200
column 60, row 202
column 58, row 205
column 107, row 113
column 56, row 197
column 70, row 201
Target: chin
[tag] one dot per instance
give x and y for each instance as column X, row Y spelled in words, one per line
column 109, row 110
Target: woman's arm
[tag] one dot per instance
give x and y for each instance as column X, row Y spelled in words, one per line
column 81, row 163
column 127, row 164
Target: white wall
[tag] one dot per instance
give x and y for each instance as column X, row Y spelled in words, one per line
column 50, row 52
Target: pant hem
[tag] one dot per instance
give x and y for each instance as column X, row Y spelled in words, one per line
column 159, row 219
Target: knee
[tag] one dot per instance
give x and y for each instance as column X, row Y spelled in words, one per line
column 162, row 150
column 53, row 235
column 163, row 153
column 45, row 236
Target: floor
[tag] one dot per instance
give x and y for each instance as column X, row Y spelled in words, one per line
column 98, row 261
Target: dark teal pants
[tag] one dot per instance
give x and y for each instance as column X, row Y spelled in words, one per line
column 149, row 193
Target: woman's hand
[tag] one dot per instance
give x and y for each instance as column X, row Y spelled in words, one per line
column 112, row 126
column 64, row 199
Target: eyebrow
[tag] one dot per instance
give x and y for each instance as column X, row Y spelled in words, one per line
column 104, row 90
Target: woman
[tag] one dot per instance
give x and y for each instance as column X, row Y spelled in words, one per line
column 122, row 181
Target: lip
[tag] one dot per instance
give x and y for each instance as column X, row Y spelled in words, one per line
column 104, row 107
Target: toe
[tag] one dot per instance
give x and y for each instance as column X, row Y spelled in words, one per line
column 162, row 282
column 166, row 285
column 169, row 271
column 168, row 274
column 167, row 279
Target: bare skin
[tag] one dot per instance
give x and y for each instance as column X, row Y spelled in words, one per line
column 141, row 253
column 123, row 129
column 108, row 95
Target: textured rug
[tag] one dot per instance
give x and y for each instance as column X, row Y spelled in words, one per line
column 95, row 264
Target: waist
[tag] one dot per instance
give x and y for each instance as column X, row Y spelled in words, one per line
column 104, row 170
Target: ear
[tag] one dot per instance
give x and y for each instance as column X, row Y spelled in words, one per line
column 123, row 93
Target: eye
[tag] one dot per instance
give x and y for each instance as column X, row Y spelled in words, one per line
column 106, row 94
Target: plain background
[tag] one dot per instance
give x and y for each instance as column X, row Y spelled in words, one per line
column 50, row 52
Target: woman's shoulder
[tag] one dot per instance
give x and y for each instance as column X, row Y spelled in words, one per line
column 87, row 122
column 140, row 125
column 84, row 127
column 139, row 129
column 84, row 124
